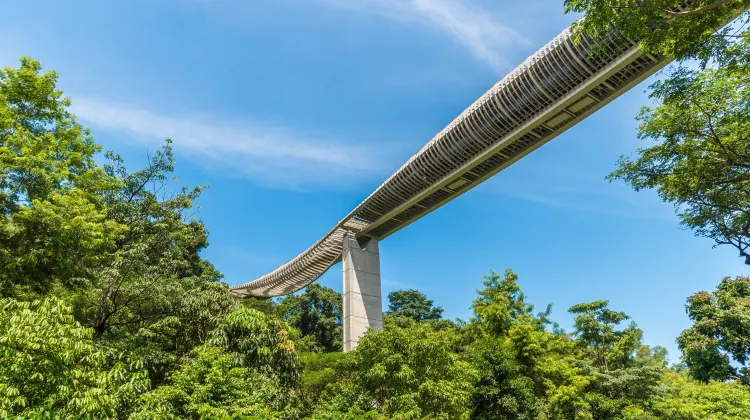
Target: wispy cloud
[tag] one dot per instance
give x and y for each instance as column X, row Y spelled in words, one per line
column 626, row 204
column 268, row 155
column 578, row 189
column 485, row 37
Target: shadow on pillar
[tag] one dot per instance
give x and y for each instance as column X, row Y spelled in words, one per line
column 363, row 307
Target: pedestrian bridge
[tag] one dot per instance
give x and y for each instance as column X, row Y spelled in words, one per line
column 555, row 88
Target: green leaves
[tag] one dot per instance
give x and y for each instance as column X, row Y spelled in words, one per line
column 717, row 346
column 413, row 304
column 501, row 303
column 317, row 314
column 405, row 373
column 53, row 227
column 700, row 161
column 673, row 28
column 211, row 385
column 50, row 364
column 259, row 342
column 595, row 329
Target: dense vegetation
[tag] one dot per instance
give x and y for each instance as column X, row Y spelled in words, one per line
column 107, row 309
column 700, row 124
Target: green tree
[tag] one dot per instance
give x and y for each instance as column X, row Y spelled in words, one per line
column 673, row 28
column 317, row 314
column 502, row 303
column 53, row 225
column 503, row 389
column 692, row 400
column 656, row 356
column 211, row 385
column 318, row 371
column 259, row 342
column 621, row 381
column 399, row 372
column 196, row 309
column 596, row 330
column 266, row 305
column 50, row 366
column 158, row 248
column 413, row 304
column 524, row 371
column 117, row 241
column 717, row 346
column 701, row 159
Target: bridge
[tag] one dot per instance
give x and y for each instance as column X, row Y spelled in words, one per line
column 554, row 89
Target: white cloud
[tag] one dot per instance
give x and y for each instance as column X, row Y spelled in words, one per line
column 485, row 37
column 268, row 155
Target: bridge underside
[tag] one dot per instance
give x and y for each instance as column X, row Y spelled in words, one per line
column 554, row 89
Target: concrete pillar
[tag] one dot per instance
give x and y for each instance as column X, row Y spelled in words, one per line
column 362, row 298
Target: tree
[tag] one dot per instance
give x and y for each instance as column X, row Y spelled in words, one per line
column 503, row 389
column 701, row 159
column 595, row 329
column 259, row 342
column 673, row 28
column 318, row 314
column 523, row 370
column 196, row 309
column 620, row 380
column 158, row 248
column 691, row 400
column 501, row 303
column 211, row 385
column 717, row 346
column 118, row 242
column 413, row 304
column 399, row 372
column 319, row 370
column 50, row 366
column 656, row 356
column 701, row 162
column 53, row 226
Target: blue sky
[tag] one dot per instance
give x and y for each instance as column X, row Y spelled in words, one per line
column 294, row 110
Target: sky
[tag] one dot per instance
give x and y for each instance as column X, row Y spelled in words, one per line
column 293, row 111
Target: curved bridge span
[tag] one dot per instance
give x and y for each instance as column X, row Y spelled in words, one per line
column 555, row 88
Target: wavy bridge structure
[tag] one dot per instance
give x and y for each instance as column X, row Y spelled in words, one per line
column 555, row 88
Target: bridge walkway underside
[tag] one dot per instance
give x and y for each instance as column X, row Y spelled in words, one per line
column 554, row 89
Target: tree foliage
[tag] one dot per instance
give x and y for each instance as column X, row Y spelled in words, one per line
column 673, row 28
column 502, row 303
column 717, row 346
column 51, row 367
column 211, row 385
column 317, row 313
column 413, row 304
column 400, row 372
column 53, row 227
column 701, row 159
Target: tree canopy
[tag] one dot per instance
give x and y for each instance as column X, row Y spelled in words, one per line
column 717, row 346
column 701, row 159
column 673, row 28
column 413, row 304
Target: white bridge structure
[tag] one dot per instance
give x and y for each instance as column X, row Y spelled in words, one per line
column 555, row 88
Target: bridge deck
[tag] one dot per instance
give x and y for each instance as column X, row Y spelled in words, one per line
column 551, row 91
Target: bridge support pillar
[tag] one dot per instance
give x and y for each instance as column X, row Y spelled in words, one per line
column 363, row 308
